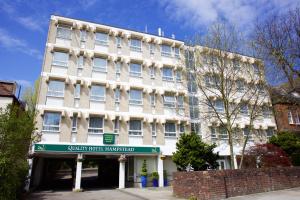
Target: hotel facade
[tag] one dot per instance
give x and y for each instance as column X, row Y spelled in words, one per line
column 115, row 97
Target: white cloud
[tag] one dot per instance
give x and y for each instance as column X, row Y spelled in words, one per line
column 12, row 43
column 24, row 83
column 200, row 14
column 30, row 23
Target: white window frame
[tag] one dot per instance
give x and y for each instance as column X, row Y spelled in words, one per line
column 80, row 61
column 100, row 68
column 290, row 117
column 213, row 133
column 134, row 47
column 177, row 54
column 135, row 73
column 167, row 78
column 268, row 131
column 223, row 136
column 179, row 105
column 266, row 111
column 181, row 128
column 152, row 99
column 244, row 109
column 118, row 68
column 297, row 119
column 117, row 125
column 152, row 72
column 56, row 93
column 83, row 35
column 152, row 48
column 166, row 53
column 169, row 133
column 60, row 63
column 153, row 129
column 66, row 28
column 170, row 104
column 74, row 125
column 119, row 41
column 96, row 130
column 51, row 127
column 96, row 97
column 133, row 101
column 133, row 132
column 117, row 95
column 102, row 42
column 178, row 76
column 217, row 108
column 240, row 86
column 77, row 93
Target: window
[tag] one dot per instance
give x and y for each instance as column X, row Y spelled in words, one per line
column 180, row 102
column 153, row 129
column 117, row 95
column 297, row 119
column 219, row 106
column 181, row 129
column 77, row 91
column 135, row 97
column 240, row 85
column 117, row 125
column 51, row 122
column 246, row 132
column 135, row 70
column 60, row 59
column 236, row 65
column 213, row 134
column 177, row 52
column 135, row 127
column 178, row 76
column 136, row 45
column 152, row 99
column 118, row 68
column 97, row 93
column 170, row 129
column 101, row 39
column 266, row 111
column 100, row 64
column 244, row 109
column 96, row 125
column 74, row 124
column 212, row 81
column 80, row 63
column 260, row 88
column 63, row 32
column 167, row 74
column 118, row 41
column 223, row 133
column 256, row 69
column 195, row 128
column 270, row 132
column 290, row 117
column 56, row 89
column 169, row 101
column 152, row 48
column 166, row 50
column 83, row 35
column 152, row 72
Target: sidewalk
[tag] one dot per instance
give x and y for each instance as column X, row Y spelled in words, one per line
column 151, row 193
column 288, row 194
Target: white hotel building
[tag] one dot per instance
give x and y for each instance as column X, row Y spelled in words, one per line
column 114, row 97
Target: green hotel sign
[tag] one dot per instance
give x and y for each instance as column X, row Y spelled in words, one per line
column 63, row 148
column 108, row 138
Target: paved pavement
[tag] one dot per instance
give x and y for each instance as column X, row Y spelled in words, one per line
column 150, row 194
column 289, row 194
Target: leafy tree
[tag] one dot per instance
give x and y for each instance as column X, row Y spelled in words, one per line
column 191, row 151
column 267, row 155
column 144, row 169
column 30, row 95
column 16, row 127
column 290, row 143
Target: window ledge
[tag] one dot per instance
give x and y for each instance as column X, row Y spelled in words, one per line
column 61, row 66
column 135, row 135
column 46, row 131
column 95, row 133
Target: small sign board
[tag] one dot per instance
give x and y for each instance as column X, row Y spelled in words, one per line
column 108, row 138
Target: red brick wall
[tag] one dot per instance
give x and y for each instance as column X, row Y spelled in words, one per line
column 7, row 89
column 219, row 184
column 281, row 115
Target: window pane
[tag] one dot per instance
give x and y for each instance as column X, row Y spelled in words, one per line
column 63, row 32
column 101, row 38
column 51, row 121
column 135, row 97
column 95, row 125
column 135, row 69
column 170, row 129
column 97, row 93
column 77, row 91
column 100, row 64
column 167, row 74
column 135, row 125
column 135, row 45
column 56, row 88
column 165, row 50
column 180, row 100
column 60, row 59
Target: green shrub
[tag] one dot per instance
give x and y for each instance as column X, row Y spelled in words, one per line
column 144, row 169
column 154, row 175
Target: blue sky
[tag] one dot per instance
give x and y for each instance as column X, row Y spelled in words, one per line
column 24, row 24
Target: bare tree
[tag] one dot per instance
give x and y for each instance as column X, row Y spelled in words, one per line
column 277, row 41
column 231, row 86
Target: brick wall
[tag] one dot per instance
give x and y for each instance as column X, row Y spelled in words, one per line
column 281, row 115
column 7, row 89
column 220, row 184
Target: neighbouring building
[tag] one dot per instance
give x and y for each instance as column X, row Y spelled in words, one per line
column 286, row 105
column 111, row 96
column 9, row 92
column 209, row 126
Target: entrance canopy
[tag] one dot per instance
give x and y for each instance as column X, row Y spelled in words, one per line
column 78, row 148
